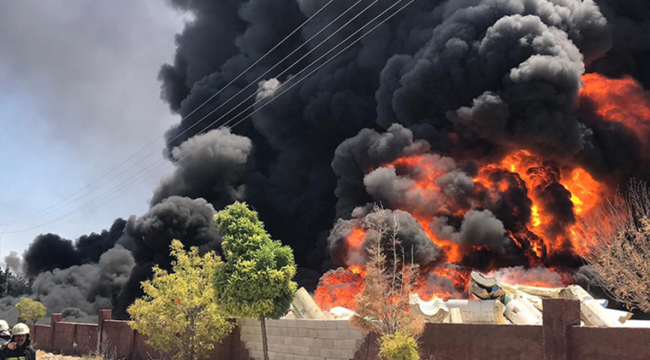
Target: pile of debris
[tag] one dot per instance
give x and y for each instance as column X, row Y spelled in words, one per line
column 502, row 303
column 499, row 303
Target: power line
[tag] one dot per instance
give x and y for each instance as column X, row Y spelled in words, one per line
column 322, row 42
column 283, row 92
column 23, row 219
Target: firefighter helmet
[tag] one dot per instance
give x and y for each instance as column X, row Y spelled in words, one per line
column 20, row 329
column 4, row 326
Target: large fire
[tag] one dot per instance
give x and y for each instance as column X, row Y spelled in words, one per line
column 551, row 198
column 620, row 100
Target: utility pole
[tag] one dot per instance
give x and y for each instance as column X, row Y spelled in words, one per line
column 5, row 281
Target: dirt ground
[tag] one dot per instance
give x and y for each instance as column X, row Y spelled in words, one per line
column 42, row 355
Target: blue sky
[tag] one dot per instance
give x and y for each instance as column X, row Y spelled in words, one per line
column 78, row 94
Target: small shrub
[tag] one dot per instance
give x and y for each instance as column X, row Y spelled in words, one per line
column 399, row 346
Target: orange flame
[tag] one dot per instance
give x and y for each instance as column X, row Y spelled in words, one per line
column 617, row 100
column 620, row 100
column 338, row 288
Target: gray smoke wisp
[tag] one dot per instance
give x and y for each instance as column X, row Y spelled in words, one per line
column 14, row 263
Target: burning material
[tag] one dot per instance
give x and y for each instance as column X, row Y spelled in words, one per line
column 338, row 288
column 520, row 208
column 304, row 307
column 524, row 306
column 500, row 303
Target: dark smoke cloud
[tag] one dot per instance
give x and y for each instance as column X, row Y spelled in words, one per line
column 291, row 183
column 411, row 235
column 212, row 166
column 512, row 206
column 8, row 309
column 502, row 52
column 479, row 227
column 49, row 251
column 88, row 287
column 76, row 315
column 399, row 191
column 91, row 247
column 366, row 151
column 189, row 220
column 474, row 78
column 630, row 24
column 467, row 79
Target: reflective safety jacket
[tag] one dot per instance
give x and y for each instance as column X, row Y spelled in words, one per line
column 25, row 352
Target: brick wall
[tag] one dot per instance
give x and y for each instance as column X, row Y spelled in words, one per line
column 559, row 338
column 302, row 339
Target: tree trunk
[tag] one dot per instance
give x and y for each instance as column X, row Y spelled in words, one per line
column 265, row 345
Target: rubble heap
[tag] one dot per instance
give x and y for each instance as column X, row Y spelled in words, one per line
column 498, row 303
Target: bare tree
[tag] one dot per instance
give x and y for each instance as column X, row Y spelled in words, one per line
column 383, row 305
column 618, row 238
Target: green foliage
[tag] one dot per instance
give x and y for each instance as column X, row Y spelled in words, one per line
column 399, row 346
column 255, row 281
column 30, row 310
column 12, row 284
column 178, row 312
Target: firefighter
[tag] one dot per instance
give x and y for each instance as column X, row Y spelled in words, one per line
column 19, row 348
column 5, row 336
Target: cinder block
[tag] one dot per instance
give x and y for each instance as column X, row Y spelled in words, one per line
column 355, row 334
column 343, row 325
column 272, row 323
column 328, row 343
column 290, row 322
column 335, row 353
column 326, row 324
column 314, row 324
column 324, row 352
column 256, row 354
column 348, row 344
column 303, row 341
column 314, row 351
column 303, row 350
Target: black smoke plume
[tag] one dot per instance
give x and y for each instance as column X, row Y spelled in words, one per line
column 189, row 220
column 49, row 251
column 466, row 80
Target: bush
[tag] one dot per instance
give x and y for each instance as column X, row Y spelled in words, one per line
column 399, row 346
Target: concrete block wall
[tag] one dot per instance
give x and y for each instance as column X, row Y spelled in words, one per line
column 302, row 339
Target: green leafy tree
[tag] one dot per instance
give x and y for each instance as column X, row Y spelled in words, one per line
column 30, row 310
column 255, row 281
column 178, row 312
